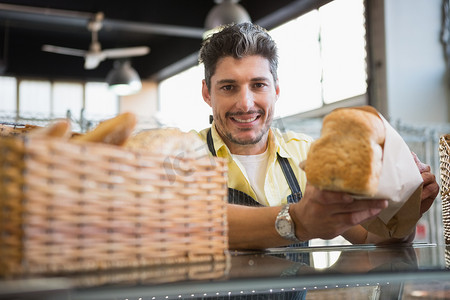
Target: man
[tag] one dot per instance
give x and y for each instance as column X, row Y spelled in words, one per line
column 241, row 86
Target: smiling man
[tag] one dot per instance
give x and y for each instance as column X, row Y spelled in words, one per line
column 243, row 98
column 271, row 203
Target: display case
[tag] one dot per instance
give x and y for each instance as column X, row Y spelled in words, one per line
column 335, row 272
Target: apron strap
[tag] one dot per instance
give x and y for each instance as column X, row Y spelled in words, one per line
column 210, row 143
column 290, row 178
column 241, row 198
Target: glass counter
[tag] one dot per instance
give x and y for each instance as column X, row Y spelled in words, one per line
column 418, row 271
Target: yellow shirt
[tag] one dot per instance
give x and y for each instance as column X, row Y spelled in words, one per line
column 293, row 146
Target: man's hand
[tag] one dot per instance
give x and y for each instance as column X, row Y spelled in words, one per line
column 430, row 187
column 326, row 214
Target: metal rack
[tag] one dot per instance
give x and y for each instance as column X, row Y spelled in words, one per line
column 81, row 125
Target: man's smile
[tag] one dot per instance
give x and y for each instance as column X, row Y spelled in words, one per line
column 242, row 120
column 245, row 118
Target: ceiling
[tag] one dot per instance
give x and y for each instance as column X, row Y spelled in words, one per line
column 171, row 28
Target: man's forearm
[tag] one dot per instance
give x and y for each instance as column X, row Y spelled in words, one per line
column 253, row 227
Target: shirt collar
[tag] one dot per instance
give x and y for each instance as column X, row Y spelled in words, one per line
column 219, row 145
column 277, row 142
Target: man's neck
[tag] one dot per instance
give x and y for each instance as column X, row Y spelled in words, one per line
column 249, row 149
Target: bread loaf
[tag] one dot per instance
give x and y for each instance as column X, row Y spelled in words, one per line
column 348, row 154
column 168, row 141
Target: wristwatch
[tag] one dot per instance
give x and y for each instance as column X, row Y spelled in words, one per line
column 285, row 225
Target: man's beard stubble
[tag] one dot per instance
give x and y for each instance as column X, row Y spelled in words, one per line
column 257, row 139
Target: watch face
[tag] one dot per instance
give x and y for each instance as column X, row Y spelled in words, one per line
column 284, row 227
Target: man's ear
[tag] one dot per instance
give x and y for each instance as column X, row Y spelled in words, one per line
column 205, row 93
column 277, row 89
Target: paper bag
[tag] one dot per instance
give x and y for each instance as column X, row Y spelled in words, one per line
column 401, row 184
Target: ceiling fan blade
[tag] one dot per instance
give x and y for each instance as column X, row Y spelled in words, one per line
column 92, row 60
column 126, row 52
column 63, row 50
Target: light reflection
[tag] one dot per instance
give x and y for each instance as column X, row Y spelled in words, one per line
column 326, row 259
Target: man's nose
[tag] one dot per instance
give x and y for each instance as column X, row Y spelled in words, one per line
column 245, row 99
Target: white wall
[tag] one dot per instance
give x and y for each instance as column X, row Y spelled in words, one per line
column 417, row 90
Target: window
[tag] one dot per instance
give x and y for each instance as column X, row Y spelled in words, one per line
column 343, row 50
column 67, row 97
column 34, row 99
column 40, row 101
column 8, row 95
column 181, row 102
column 101, row 103
column 322, row 60
column 299, row 71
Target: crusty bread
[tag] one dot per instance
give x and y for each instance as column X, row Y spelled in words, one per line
column 113, row 131
column 12, row 130
column 348, row 155
column 168, row 141
column 6, row 130
column 59, row 129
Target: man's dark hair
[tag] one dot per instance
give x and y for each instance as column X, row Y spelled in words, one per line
column 238, row 41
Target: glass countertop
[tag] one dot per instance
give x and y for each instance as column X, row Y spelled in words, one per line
column 350, row 272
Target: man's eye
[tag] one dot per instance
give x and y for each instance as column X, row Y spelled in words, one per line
column 259, row 85
column 227, row 87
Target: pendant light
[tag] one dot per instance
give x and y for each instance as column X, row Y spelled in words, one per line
column 225, row 12
column 123, row 79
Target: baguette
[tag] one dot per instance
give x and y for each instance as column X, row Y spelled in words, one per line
column 113, row 131
column 347, row 156
column 59, row 129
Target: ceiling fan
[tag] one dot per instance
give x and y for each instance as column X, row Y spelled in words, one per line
column 95, row 55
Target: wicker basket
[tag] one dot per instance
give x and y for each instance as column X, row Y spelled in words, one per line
column 68, row 207
column 444, row 153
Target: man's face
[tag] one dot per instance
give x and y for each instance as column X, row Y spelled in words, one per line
column 242, row 96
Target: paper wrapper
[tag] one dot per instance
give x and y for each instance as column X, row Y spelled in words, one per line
column 401, row 184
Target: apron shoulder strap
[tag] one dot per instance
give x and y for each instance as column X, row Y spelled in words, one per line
column 209, row 141
column 289, row 175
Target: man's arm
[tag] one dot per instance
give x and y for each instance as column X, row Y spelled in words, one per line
column 320, row 214
column 253, row 227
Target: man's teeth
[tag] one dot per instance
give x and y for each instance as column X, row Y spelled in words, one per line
column 245, row 120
